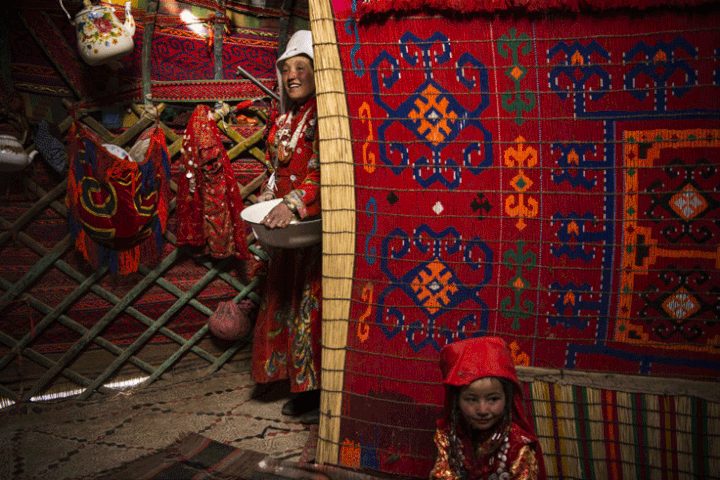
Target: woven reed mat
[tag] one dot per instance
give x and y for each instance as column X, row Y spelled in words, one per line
column 73, row 439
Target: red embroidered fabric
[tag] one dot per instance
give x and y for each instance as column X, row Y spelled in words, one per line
column 516, row 459
column 118, row 206
column 373, row 7
column 208, row 198
column 297, row 170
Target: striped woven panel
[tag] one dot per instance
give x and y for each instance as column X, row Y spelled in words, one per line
column 593, row 433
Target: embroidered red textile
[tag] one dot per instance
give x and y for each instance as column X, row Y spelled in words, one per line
column 292, row 151
column 118, row 206
column 512, row 456
column 208, row 197
column 550, row 179
column 371, row 7
column 288, row 326
column 44, row 53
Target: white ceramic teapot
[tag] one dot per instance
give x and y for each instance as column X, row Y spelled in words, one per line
column 13, row 133
column 12, row 155
column 101, row 38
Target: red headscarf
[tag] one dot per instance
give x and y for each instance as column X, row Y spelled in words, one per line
column 463, row 362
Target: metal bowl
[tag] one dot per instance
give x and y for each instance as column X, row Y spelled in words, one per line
column 298, row 234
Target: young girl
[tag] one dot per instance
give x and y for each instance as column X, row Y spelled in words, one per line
column 483, row 433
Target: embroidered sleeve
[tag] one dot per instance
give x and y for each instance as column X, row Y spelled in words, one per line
column 442, row 470
column 306, row 198
column 266, row 189
column 525, row 465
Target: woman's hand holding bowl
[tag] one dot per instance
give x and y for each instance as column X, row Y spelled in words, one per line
column 279, row 217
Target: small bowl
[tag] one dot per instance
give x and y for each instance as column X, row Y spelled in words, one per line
column 298, row 234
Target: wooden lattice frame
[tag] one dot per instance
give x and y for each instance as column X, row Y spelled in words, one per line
column 20, row 348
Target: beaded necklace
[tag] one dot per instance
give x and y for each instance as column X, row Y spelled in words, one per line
column 285, row 141
column 496, row 449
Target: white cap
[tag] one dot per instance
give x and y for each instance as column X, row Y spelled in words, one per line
column 301, row 43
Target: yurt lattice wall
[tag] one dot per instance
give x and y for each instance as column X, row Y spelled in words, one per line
column 33, row 298
column 70, row 329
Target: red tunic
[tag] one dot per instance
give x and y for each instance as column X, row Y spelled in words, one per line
column 287, row 330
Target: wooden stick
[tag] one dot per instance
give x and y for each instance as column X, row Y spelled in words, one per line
column 219, row 30
column 30, row 213
column 623, row 383
column 258, row 83
column 160, row 322
column 101, row 324
column 150, row 16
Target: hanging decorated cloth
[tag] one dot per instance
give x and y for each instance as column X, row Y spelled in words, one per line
column 367, row 8
column 118, row 206
column 209, row 201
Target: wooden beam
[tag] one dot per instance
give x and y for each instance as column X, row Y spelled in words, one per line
column 150, row 17
column 219, row 30
column 284, row 27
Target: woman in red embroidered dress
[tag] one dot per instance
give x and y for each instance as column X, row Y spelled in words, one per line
column 484, row 433
column 287, row 330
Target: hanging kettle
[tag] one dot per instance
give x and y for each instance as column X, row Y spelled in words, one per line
column 13, row 157
column 101, row 38
column 13, row 133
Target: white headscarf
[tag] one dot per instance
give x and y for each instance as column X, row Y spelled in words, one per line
column 301, row 43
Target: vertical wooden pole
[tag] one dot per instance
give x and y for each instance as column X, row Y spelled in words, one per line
column 284, row 27
column 150, row 17
column 219, row 31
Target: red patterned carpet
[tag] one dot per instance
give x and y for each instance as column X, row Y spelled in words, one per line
column 551, row 179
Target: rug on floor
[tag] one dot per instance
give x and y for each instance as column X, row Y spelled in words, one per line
column 83, row 440
column 197, row 457
column 193, row 456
